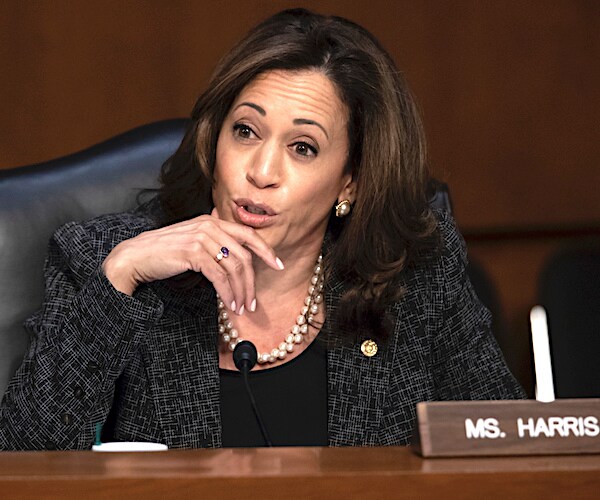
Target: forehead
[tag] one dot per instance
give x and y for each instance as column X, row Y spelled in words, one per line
column 305, row 94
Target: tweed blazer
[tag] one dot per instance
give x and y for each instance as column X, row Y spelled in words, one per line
column 147, row 366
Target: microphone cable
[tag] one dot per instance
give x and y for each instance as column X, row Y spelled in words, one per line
column 245, row 357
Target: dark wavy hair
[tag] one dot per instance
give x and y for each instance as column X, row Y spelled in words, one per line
column 391, row 224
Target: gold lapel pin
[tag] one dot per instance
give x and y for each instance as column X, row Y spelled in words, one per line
column 369, row 348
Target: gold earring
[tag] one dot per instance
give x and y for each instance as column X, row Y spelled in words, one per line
column 343, row 208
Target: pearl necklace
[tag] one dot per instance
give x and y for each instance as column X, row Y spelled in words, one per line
column 296, row 334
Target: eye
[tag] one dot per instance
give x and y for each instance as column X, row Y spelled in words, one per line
column 304, row 149
column 243, row 131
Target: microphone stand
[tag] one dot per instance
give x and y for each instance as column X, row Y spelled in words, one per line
column 244, row 357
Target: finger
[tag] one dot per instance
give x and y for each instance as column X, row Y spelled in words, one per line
column 205, row 262
column 248, row 237
column 209, row 238
column 240, row 272
column 219, row 280
column 240, row 269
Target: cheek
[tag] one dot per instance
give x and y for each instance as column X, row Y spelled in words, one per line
column 217, row 186
column 225, row 161
column 314, row 199
column 222, row 166
column 227, row 177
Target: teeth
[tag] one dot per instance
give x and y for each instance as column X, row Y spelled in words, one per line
column 255, row 210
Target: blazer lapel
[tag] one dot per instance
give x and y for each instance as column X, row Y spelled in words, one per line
column 357, row 383
column 183, row 371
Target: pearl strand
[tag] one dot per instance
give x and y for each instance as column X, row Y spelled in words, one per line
column 230, row 335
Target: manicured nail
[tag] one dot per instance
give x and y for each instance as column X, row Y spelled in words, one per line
column 253, row 305
column 279, row 263
column 233, row 308
column 241, row 311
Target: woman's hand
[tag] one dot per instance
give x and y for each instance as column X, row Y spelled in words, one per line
column 192, row 245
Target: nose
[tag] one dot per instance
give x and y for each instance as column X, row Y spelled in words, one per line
column 264, row 170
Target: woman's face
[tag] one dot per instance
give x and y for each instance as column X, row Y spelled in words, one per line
column 281, row 157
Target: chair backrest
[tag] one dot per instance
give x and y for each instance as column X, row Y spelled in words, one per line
column 36, row 200
column 569, row 290
column 439, row 195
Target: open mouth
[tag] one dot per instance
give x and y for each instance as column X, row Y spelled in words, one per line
column 254, row 207
column 255, row 210
column 254, row 214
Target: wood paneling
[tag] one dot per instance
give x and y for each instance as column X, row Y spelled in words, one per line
column 509, row 93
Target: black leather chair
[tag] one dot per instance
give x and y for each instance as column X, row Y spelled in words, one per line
column 569, row 290
column 36, row 200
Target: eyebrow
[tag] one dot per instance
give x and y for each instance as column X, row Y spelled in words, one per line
column 253, row 106
column 297, row 121
column 304, row 121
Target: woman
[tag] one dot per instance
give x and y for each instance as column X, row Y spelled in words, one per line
column 293, row 215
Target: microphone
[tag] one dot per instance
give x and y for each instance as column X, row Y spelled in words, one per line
column 244, row 358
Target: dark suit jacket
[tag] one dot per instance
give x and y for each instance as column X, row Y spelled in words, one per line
column 149, row 363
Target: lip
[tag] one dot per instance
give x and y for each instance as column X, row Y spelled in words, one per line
column 250, row 219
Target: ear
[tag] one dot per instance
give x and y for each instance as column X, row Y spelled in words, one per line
column 348, row 192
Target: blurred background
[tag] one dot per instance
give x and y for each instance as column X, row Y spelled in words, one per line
column 508, row 91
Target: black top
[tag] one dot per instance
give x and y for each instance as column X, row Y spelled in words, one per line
column 291, row 398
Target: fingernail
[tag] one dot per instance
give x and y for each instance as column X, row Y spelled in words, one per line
column 241, row 311
column 253, row 305
column 233, row 308
column 279, row 263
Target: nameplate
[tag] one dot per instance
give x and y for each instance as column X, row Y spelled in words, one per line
column 474, row 428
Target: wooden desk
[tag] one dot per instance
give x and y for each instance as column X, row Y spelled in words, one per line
column 365, row 473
